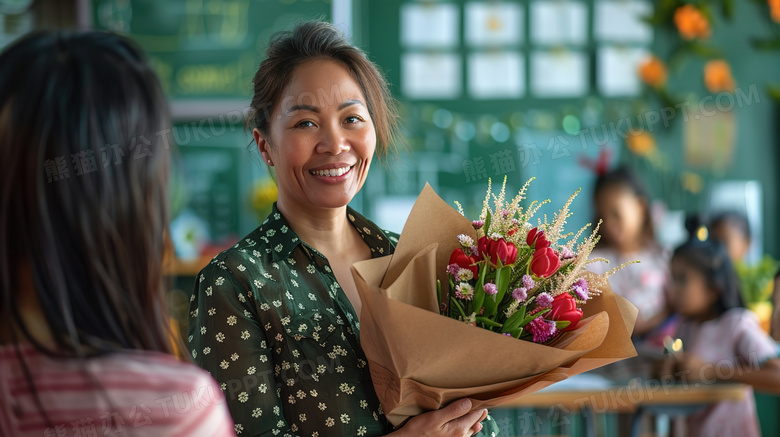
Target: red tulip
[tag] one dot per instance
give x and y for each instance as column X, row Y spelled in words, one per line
column 482, row 247
column 504, row 251
column 463, row 261
column 537, row 239
column 545, row 262
column 564, row 307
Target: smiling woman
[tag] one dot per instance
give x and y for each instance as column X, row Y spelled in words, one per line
column 275, row 318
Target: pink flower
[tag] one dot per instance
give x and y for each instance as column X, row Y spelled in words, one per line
column 520, row 294
column 478, row 224
column 464, row 291
column 567, row 253
column 528, row 282
column 490, row 288
column 542, row 329
column 581, row 289
column 544, row 300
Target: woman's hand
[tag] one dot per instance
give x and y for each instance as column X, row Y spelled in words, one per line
column 453, row 420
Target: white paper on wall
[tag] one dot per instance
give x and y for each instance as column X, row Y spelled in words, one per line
column 431, row 75
column 429, row 25
column 496, row 75
column 621, row 21
column 617, row 70
column 561, row 73
column 559, row 22
column 492, row 24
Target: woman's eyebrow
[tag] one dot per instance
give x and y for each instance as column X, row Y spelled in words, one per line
column 303, row 108
column 350, row 103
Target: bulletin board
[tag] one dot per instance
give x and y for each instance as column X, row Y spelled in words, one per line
column 486, row 92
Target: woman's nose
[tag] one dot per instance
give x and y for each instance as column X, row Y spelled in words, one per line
column 333, row 141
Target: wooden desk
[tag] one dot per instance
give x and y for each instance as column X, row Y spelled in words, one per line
column 641, row 397
column 625, row 399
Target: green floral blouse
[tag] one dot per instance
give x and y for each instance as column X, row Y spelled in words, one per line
column 271, row 324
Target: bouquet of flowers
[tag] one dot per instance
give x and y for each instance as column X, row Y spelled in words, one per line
column 425, row 307
column 517, row 278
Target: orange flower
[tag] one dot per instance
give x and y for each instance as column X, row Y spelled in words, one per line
column 653, row 72
column 774, row 7
column 691, row 22
column 717, row 76
column 640, row 142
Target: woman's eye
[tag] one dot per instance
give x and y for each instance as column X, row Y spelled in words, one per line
column 305, row 123
column 352, row 119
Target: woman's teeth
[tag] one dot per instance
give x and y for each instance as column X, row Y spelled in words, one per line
column 332, row 172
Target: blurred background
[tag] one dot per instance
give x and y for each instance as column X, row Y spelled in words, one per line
column 559, row 90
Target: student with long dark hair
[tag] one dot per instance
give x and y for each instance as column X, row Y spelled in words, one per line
column 622, row 202
column 721, row 339
column 83, row 209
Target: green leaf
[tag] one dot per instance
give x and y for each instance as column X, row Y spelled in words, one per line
column 438, row 294
column 502, row 282
column 728, row 9
column 531, row 317
column 457, row 305
column 479, row 290
column 562, row 324
column 486, row 321
column 513, row 322
column 766, row 44
column 486, row 228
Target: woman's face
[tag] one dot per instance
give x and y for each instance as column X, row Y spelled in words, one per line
column 321, row 138
column 623, row 214
column 692, row 296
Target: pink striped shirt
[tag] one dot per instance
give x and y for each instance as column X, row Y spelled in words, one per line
column 143, row 394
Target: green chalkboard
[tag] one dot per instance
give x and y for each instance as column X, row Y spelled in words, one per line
column 204, row 48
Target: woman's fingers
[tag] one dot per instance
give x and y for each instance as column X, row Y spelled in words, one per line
column 454, row 410
column 465, row 424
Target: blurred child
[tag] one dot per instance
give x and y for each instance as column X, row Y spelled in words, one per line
column 732, row 229
column 774, row 329
column 721, row 339
column 84, row 348
column 621, row 201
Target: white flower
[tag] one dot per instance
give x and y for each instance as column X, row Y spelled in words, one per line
column 231, row 320
column 302, row 417
column 234, row 357
column 224, row 365
column 241, row 268
column 244, row 335
column 465, row 275
column 262, row 388
column 209, row 291
column 206, row 350
column 202, row 330
column 344, row 418
column 251, row 370
column 220, row 281
column 220, row 337
column 257, row 412
column 465, row 240
column 239, row 428
column 330, row 422
column 322, row 406
column 243, row 397
column 346, row 388
column 212, row 311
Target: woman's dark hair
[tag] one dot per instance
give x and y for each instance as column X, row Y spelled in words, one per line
column 732, row 218
column 83, row 192
column 316, row 40
column 710, row 258
column 625, row 178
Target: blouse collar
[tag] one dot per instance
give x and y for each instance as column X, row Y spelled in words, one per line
column 283, row 240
